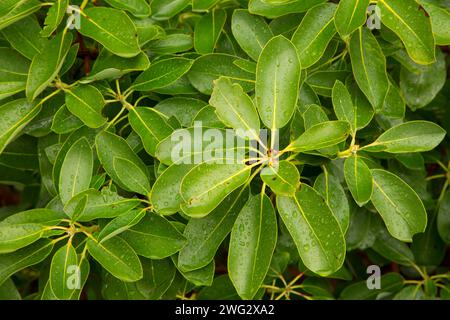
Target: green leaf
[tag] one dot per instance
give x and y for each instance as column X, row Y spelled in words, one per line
column 443, row 218
column 314, row 33
column 162, row 74
column 282, row 178
column 42, row 216
column 221, row 289
column 322, row 135
column 112, row 28
column 205, row 235
column 10, row 263
column 207, row 31
column 171, row 43
column 13, row 75
column 76, row 170
column 200, row 277
column 47, row 64
column 202, row 5
column 8, row 291
column 421, row 86
column 412, row 26
column 273, row 9
column 165, row 196
column 350, row 15
column 412, row 136
column 251, row 32
column 151, row 126
column 121, row 224
column 22, row 37
column 65, row 122
column 410, row 292
column 393, row 249
column 54, row 17
column 117, row 257
column 210, row 67
column 131, row 175
column 252, row 243
column 394, row 104
column 110, row 66
column 110, row 147
column 86, row 102
column 13, row 10
column 234, row 107
column 61, row 150
column 440, row 22
column 158, row 277
column 207, row 184
column 277, row 82
column 166, row 9
column 187, row 146
column 369, row 66
column 138, row 8
column 15, row 115
column 389, row 283
column 99, row 204
column 359, row 179
column 315, row 230
column 63, row 265
column 182, row 108
column 399, row 205
column 17, row 236
column 331, row 190
column 357, row 114
column 154, row 237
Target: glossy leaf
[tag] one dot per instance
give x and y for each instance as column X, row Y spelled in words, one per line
column 205, row 235
column 252, row 243
column 154, row 237
column 412, row 136
column 15, row 116
column 139, row 8
column 151, row 126
column 277, row 82
column 64, row 261
column 315, row 230
column 76, row 170
column 273, row 9
column 350, row 15
column 54, row 17
column 208, row 30
column 207, row 184
column 332, row 191
column 282, row 178
column 117, row 257
column 411, row 26
column 112, row 28
column 251, row 32
column 162, row 73
column 314, row 33
column 369, row 66
column 322, row 135
column 398, row 204
column 234, row 107
column 12, row 262
column 111, row 147
column 46, row 65
column 359, row 179
column 210, row 67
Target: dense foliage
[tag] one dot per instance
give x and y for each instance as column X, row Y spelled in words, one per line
column 224, row 149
